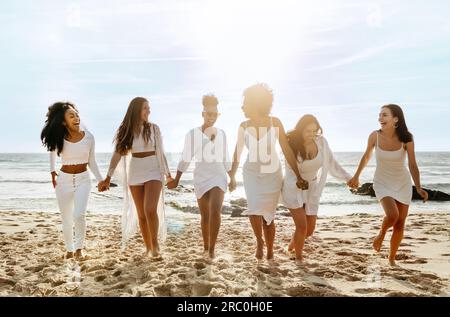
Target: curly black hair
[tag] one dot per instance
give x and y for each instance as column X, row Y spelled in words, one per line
column 54, row 131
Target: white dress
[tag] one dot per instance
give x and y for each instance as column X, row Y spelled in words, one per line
column 315, row 171
column 392, row 178
column 262, row 174
column 211, row 157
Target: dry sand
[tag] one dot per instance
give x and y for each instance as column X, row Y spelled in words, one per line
column 339, row 260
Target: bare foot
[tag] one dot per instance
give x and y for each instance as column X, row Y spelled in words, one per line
column 270, row 255
column 392, row 262
column 291, row 247
column 69, row 255
column 259, row 250
column 79, row 255
column 211, row 254
column 377, row 242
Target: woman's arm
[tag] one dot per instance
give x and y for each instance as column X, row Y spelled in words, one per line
column 53, row 167
column 289, row 154
column 335, row 169
column 414, row 170
column 354, row 181
column 236, row 157
column 92, row 163
column 186, row 158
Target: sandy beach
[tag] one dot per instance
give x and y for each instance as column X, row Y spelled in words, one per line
column 339, row 260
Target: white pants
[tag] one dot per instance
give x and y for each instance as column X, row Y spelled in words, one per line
column 72, row 193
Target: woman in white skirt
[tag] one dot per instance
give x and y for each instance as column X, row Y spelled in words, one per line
column 208, row 146
column 262, row 173
column 63, row 137
column 143, row 175
column 392, row 180
column 315, row 160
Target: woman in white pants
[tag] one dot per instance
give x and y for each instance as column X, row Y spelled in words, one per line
column 63, row 137
column 315, row 160
column 208, row 146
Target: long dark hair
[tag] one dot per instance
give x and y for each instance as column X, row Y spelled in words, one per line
column 401, row 130
column 54, row 131
column 295, row 137
column 130, row 126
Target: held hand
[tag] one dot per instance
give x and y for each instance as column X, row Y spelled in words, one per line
column 232, row 184
column 54, row 179
column 423, row 193
column 353, row 182
column 302, row 184
column 101, row 186
column 171, row 183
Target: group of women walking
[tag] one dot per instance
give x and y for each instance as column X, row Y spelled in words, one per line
column 139, row 160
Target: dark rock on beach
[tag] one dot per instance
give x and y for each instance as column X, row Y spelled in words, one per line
column 433, row 195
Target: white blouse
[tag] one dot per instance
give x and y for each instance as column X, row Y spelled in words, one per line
column 75, row 153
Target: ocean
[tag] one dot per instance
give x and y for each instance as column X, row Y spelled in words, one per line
column 25, row 185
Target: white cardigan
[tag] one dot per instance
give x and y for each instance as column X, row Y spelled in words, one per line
column 329, row 166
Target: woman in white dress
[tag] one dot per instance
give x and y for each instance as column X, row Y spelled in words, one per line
column 208, row 146
column 315, row 160
column 63, row 136
column 392, row 180
column 262, row 170
column 143, row 176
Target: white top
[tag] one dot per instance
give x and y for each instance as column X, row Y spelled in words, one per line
column 310, row 168
column 141, row 146
column 206, row 152
column 75, row 153
column 329, row 165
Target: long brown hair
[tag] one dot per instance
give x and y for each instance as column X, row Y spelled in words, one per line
column 402, row 129
column 130, row 126
column 295, row 137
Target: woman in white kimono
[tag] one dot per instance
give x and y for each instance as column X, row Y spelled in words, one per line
column 315, row 160
column 262, row 170
column 208, row 146
column 143, row 175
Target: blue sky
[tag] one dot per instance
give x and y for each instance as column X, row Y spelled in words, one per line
column 339, row 60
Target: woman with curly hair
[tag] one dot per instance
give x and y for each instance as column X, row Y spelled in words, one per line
column 63, row 136
column 262, row 173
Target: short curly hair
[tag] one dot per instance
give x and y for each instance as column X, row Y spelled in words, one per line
column 209, row 100
column 258, row 99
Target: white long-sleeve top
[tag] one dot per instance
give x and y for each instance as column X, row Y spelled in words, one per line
column 212, row 161
column 80, row 152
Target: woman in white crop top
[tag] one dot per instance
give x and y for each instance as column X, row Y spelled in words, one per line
column 63, row 137
column 143, row 176
column 392, row 180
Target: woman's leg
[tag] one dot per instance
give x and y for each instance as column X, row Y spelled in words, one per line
column 256, row 222
column 81, row 197
column 399, row 228
column 138, row 197
column 269, row 235
column 203, row 205
column 390, row 218
column 151, row 199
column 215, row 200
column 298, row 239
column 65, row 198
column 311, row 225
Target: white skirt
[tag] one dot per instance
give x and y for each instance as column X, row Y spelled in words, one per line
column 295, row 198
column 263, row 192
column 143, row 170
